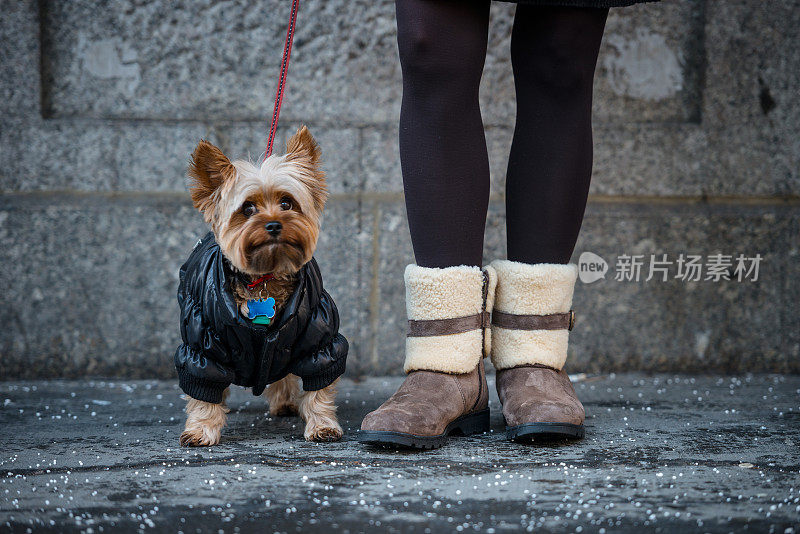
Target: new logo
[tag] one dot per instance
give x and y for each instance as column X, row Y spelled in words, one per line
column 591, row 267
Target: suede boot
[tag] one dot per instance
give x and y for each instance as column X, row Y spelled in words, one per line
column 445, row 389
column 530, row 330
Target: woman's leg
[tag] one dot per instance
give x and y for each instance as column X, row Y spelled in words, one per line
column 554, row 53
column 446, row 179
column 442, row 146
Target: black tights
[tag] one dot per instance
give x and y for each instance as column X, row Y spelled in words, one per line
column 442, row 146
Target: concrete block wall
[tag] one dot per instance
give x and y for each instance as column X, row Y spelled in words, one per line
column 696, row 152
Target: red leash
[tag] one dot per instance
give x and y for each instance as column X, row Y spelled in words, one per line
column 265, row 278
column 287, row 50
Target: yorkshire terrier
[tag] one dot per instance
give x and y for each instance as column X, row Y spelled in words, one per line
column 266, row 220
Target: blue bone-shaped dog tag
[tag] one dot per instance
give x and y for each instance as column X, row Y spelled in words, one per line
column 261, row 311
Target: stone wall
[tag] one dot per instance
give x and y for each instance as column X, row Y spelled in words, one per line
column 696, row 152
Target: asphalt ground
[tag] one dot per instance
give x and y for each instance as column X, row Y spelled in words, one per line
column 662, row 453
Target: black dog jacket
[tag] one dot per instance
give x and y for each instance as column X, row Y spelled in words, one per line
column 221, row 347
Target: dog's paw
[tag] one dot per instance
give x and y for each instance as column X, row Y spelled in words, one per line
column 198, row 437
column 284, row 409
column 324, row 432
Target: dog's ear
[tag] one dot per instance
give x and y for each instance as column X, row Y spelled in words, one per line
column 303, row 147
column 304, row 152
column 208, row 170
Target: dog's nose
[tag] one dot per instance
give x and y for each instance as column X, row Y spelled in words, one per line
column 274, row 228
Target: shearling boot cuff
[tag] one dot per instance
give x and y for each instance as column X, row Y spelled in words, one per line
column 532, row 315
column 448, row 317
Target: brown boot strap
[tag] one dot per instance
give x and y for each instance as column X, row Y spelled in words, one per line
column 553, row 321
column 441, row 327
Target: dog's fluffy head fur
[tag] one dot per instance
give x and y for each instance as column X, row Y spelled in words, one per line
column 242, row 202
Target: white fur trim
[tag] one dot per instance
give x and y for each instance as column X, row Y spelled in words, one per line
column 445, row 293
column 525, row 347
column 442, row 293
column 532, row 289
column 454, row 353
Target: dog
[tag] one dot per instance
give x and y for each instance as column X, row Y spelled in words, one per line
column 266, row 220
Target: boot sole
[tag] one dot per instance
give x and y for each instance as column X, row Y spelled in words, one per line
column 528, row 432
column 465, row 425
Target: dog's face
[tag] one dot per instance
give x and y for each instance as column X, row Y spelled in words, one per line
column 265, row 219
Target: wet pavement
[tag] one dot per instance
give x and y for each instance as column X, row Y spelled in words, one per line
column 662, row 453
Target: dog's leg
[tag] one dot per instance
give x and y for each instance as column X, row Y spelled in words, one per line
column 318, row 410
column 282, row 396
column 204, row 422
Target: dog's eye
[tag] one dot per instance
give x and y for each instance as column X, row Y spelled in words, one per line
column 286, row 203
column 249, row 209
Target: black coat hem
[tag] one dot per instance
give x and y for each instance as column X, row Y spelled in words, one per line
column 324, row 378
column 200, row 388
